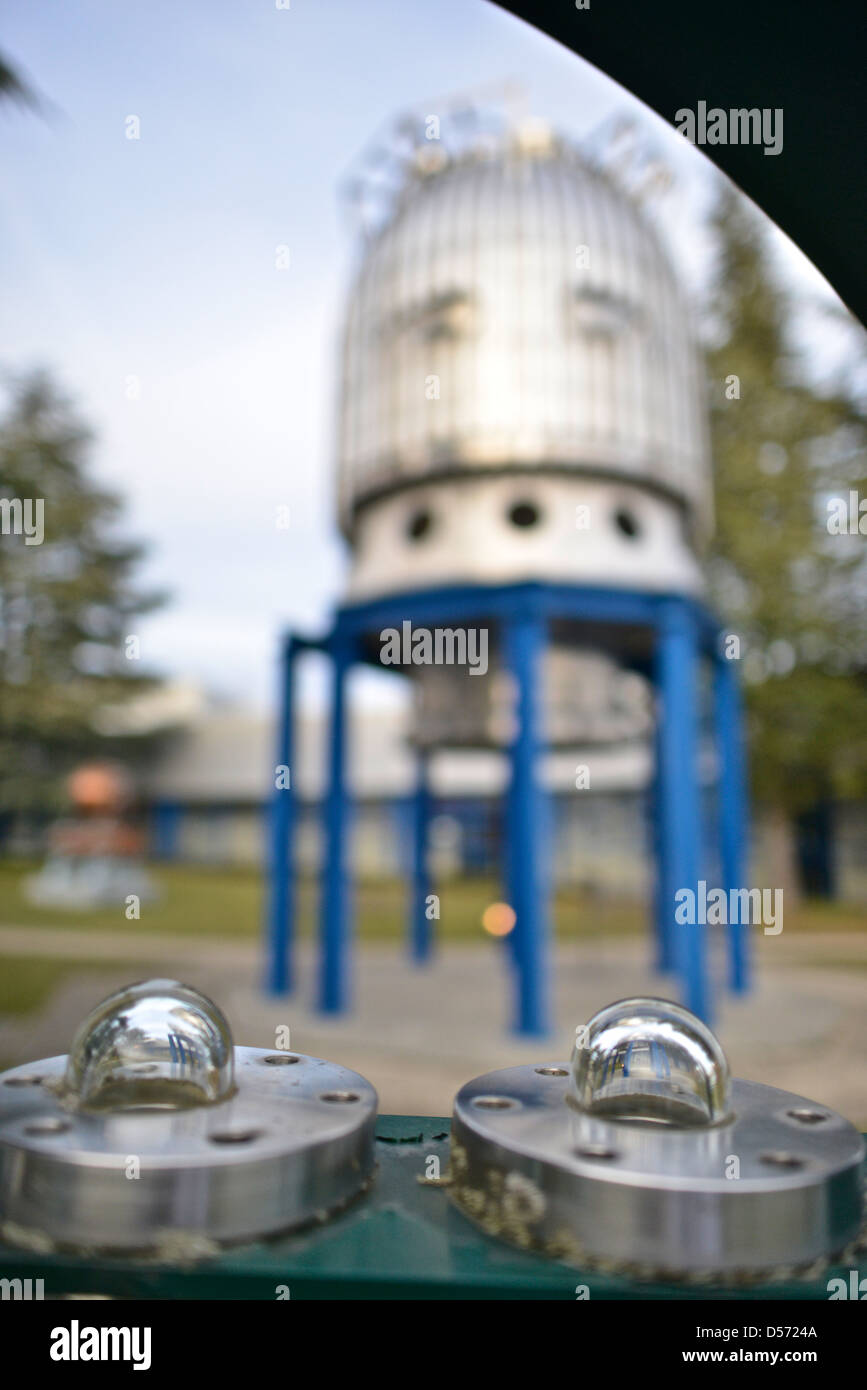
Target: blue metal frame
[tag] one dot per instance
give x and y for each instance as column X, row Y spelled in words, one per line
column 680, row 633
column 420, row 929
column 679, row 802
column 733, row 809
column 527, row 829
column 281, row 881
column 166, row 819
column 336, row 924
column 662, row 934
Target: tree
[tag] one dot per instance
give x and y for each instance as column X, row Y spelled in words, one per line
column 13, row 87
column 68, row 602
column 792, row 591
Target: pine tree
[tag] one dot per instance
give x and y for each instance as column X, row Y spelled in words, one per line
column 67, row 604
column 792, row 591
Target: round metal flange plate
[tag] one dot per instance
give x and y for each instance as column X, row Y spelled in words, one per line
column 778, row 1183
column 294, row 1142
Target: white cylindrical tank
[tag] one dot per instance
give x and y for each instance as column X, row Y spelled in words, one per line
column 521, row 394
column 520, row 400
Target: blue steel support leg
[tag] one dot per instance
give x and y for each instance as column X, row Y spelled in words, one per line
column 508, row 841
column 421, row 934
column 280, row 977
column 527, row 830
column 165, row 827
column 335, row 926
column 733, row 810
column 680, row 825
column 662, row 890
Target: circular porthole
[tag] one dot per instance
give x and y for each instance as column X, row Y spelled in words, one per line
column 419, row 525
column 626, row 523
column 524, row 514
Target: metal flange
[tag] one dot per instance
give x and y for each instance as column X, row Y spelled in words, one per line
column 92, row 1158
column 642, row 1154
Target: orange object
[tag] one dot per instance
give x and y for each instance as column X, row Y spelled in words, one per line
column 498, row 919
column 99, row 787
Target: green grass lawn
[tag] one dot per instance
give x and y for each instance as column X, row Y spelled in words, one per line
column 226, row 903
column 223, row 902
column 27, row 981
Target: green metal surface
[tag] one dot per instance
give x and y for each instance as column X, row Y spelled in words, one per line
column 404, row 1239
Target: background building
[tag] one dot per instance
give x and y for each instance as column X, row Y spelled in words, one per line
column 205, row 802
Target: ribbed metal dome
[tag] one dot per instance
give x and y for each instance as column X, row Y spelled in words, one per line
column 516, row 312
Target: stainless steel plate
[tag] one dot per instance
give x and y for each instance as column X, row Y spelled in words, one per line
column 778, row 1183
column 294, row 1142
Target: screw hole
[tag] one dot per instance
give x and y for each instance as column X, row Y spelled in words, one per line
column 626, row 524
column 524, row 515
column 339, row 1097
column 777, row 1159
column 419, row 525
column 47, row 1127
column 551, row 1071
column 281, row 1059
column 596, row 1151
column 234, row 1136
column 24, row 1081
column 493, row 1102
column 807, row 1117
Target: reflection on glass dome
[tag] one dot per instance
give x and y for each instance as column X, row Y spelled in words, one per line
column 650, row 1060
column 156, row 1044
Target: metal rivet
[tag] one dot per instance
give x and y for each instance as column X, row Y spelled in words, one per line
column 596, row 1151
column 24, row 1081
column 280, row 1059
column 339, row 1097
column 551, row 1071
column 807, row 1117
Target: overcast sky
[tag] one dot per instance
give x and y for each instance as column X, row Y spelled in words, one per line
column 154, row 259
